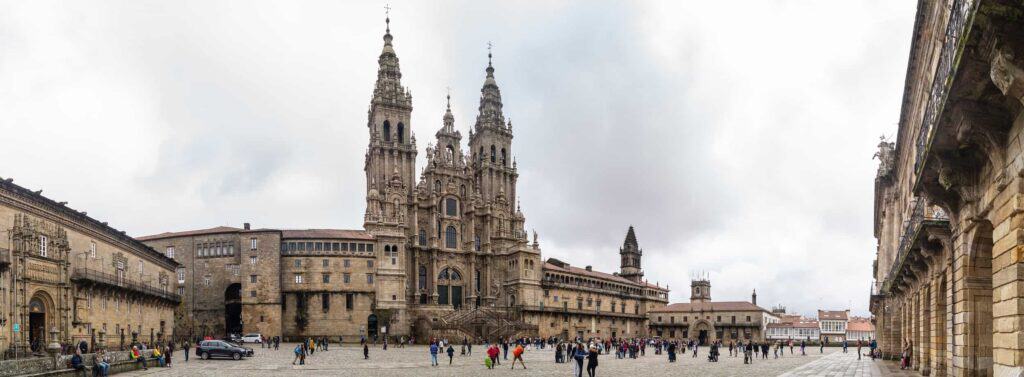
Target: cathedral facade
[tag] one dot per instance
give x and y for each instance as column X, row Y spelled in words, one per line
column 444, row 254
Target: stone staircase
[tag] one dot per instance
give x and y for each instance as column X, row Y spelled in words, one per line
column 489, row 323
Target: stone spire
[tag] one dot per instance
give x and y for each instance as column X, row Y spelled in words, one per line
column 630, row 255
column 449, row 119
column 388, row 89
column 490, row 101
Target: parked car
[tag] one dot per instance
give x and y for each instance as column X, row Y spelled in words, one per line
column 252, row 338
column 233, row 338
column 219, row 348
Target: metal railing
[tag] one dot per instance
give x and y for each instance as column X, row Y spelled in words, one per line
column 100, row 277
column 920, row 214
column 960, row 17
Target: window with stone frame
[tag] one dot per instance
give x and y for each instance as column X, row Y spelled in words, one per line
column 450, row 237
column 92, row 249
column 298, row 278
column 253, row 243
column 325, row 301
column 170, row 252
column 451, row 207
column 346, row 278
column 43, row 246
column 349, row 301
column 326, row 278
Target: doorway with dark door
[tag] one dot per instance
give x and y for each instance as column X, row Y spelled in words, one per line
column 37, row 325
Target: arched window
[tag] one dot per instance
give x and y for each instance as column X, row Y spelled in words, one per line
column 401, row 132
column 449, row 237
column 503, row 159
column 454, row 276
column 423, row 237
column 423, row 277
column 450, row 153
column 387, row 131
column 494, row 157
column 451, row 207
column 387, row 249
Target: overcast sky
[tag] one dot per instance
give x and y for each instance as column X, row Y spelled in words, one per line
column 736, row 136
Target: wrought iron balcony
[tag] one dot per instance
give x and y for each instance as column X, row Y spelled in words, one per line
column 923, row 216
column 961, row 13
column 93, row 276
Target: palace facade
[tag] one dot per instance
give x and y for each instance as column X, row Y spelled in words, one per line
column 441, row 253
column 706, row 321
column 949, row 196
column 66, row 277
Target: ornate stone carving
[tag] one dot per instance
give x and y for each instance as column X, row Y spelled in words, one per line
column 1007, row 75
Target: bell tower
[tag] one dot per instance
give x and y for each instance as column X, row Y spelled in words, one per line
column 631, row 253
column 700, row 290
column 391, row 153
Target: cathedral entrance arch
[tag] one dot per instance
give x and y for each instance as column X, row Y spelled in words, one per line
column 449, row 287
column 233, row 309
column 38, row 309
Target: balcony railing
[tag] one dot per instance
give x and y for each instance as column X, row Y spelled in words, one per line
column 103, row 278
column 922, row 215
column 961, row 14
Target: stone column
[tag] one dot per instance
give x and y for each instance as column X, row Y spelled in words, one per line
column 925, row 348
column 1008, row 223
column 938, row 328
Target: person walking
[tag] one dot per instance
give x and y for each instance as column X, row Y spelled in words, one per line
column 592, row 362
column 186, row 347
column 169, row 353
column 845, row 345
column 298, row 352
column 821, row 347
column 433, row 354
column 578, row 357
column 492, row 354
column 517, row 354
column 873, row 345
column 451, row 354
column 803, row 348
column 558, row 353
column 504, row 348
column 858, row 348
column 672, row 352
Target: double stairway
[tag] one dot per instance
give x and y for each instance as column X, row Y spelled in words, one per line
column 490, row 323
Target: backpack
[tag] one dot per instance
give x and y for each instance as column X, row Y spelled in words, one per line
column 298, row 350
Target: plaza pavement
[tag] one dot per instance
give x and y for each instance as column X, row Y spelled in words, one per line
column 415, row 361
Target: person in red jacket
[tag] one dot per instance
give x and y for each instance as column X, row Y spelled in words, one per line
column 493, row 354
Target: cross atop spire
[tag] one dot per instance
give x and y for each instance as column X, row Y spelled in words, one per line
column 449, row 97
column 387, row 17
column 489, row 46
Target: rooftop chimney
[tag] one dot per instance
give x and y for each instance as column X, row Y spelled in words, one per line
column 246, row 226
column 589, row 268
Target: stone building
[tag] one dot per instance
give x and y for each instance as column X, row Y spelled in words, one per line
column 441, row 253
column 706, row 321
column 833, row 325
column 948, row 196
column 66, row 277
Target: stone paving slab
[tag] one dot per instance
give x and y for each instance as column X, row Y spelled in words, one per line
column 415, row 361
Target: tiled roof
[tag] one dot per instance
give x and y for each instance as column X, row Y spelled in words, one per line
column 789, row 317
column 836, row 315
column 860, row 326
column 327, row 233
column 710, row 306
column 198, row 232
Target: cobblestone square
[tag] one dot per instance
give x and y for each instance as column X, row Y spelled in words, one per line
column 347, row 360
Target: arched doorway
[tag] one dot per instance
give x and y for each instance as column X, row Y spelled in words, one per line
column 233, row 309
column 703, row 332
column 371, row 326
column 449, row 288
column 37, row 309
